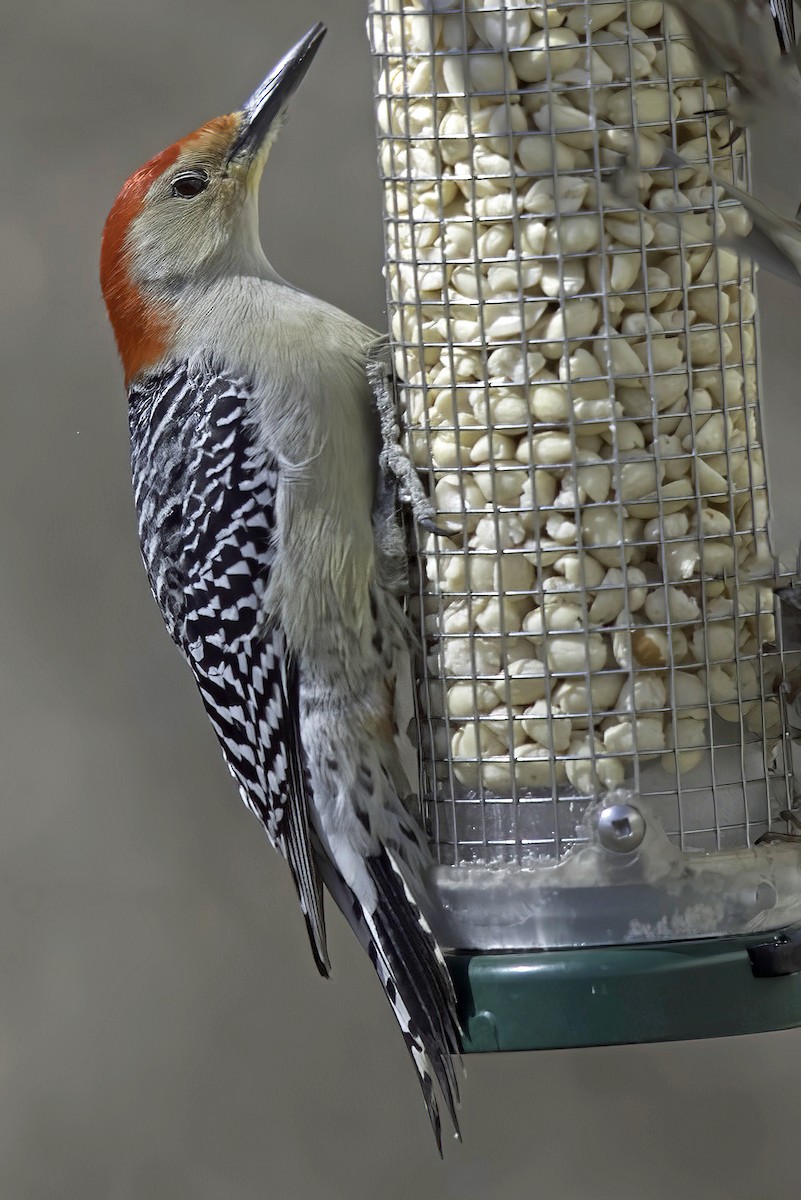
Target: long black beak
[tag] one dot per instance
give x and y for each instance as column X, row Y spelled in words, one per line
column 270, row 99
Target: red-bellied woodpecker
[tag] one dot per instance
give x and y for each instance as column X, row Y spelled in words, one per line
column 255, row 454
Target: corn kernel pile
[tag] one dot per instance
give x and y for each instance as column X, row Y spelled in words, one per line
column 579, row 378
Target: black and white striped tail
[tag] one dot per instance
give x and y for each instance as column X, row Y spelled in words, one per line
column 415, row 979
column 784, row 20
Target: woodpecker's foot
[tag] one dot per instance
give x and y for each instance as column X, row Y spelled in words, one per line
column 736, row 132
column 393, row 459
column 791, row 594
column 721, row 112
column 770, row 838
column 428, row 523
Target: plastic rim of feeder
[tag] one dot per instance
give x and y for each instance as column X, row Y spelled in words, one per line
column 617, row 995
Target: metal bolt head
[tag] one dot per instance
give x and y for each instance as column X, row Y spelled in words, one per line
column 620, row 827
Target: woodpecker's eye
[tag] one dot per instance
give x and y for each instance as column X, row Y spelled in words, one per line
column 190, row 184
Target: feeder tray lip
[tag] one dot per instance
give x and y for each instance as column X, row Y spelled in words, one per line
column 619, row 995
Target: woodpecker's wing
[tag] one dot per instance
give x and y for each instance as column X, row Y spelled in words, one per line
column 784, row 20
column 735, row 38
column 773, row 241
column 205, row 493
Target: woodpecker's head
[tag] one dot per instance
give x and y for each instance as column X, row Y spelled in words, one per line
column 191, row 214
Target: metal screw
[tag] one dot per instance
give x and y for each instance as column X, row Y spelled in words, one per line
column 621, row 827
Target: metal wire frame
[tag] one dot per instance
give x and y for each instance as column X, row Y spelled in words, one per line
column 501, row 805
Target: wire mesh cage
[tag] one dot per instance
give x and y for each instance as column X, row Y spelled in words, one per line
column 602, row 706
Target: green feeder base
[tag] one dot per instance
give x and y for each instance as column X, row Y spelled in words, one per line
column 613, row 995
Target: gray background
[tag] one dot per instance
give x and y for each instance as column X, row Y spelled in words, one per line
column 163, row 1034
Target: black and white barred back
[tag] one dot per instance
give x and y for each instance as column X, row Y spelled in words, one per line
column 204, row 497
column 205, row 493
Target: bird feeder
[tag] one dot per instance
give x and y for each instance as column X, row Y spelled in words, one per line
column 603, row 713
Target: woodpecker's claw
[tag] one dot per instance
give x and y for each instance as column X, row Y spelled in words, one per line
column 429, row 524
column 394, row 459
column 736, row 132
column 769, row 838
column 791, row 593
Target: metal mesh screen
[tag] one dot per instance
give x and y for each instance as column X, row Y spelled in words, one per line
column 579, row 382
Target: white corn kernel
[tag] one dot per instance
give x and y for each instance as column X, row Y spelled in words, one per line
column 535, row 767
column 602, row 533
column 482, row 76
column 572, row 234
column 568, row 654
column 642, row 693
column 580, row 571
column 491, row 447
column 505, row 727
column 550, row 402
column 576, row 318
column 610, row 602
column 465, row 699
column 522, row 683
column 502, row 27
column 644, row 14
column 547, row 728
column 568, row 123
column 563, row 278
column 560, row 529
column 473, row 743
column 546, row 55
column 456, row 619
column 671, row 604
column 508, row 409
column 549, row 196
column 546, row 16
column 629, row 233
column 495, row 487
column 552, row 619
column 464, row 656
column 513, row 573
column 715, row 642
column 594, row 416
column 499, row 531
column 594, row 16
column 500, row 615
column 593, row 478
column 641, row 737
column 539, row 152
column 638, row 475
column 459, row 499
column 578, row 697
column 690, row 695
column 589, row 770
